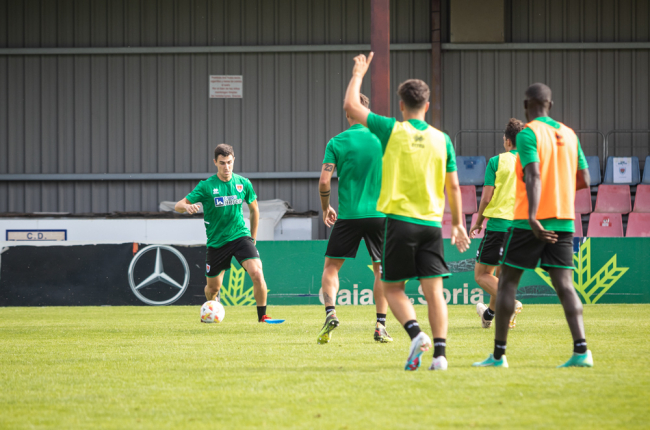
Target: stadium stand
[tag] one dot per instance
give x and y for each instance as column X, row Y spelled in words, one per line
column 594, row 169
column 577, row 222
column 605, row 225
column 613, row 199
column 446, row 225
column 642, row 198
column 482, row 233
column 583, row 201
column 471, row 170
column 638, row 225
column 646, row 171
column 467, row 197
column 609, row 172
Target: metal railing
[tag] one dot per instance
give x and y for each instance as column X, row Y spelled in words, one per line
column 611, row 132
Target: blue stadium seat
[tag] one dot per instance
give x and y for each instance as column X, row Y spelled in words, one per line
column 646, row 171
column 471, row 170
column 594, row 169
column 609, row 172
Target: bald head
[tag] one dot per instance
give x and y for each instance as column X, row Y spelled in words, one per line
column 538, row 101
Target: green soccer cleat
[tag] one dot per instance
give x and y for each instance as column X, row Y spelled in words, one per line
column 580, row 360
column 331, row 322
column 491, row 362
column 381, row 335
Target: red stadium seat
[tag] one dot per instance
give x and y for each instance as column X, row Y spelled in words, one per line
column 583, row 201
column 638, row 225
column 642, row 198
column 467, row 197
column 482, row 233
column 446, row 225
column 577, row 222
column 613, row 199
column 605, row 225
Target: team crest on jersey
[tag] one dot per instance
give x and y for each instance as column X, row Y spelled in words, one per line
column 215, row 191
column 207, row 268
column 240, row 187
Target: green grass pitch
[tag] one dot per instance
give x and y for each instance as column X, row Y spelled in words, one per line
column 159, row 367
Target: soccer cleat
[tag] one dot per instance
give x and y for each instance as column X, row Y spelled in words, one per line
column 419, row 345
column 439, row 363
column 381, row 335
column 491, row 362
column 580, row 360
column 331, row 322
column 518, row 308
column 264, row 318
column 480, row 310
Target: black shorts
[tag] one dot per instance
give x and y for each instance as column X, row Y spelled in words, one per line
column 218, row 259
column 412, row 251
column 347, row 234
column 523, row 250
column 489, row 251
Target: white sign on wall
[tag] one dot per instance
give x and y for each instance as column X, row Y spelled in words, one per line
column 226, row 86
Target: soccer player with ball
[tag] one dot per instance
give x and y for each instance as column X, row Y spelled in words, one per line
column 222, row 196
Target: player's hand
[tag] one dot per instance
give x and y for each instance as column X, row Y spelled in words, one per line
column 476, row 229
column 540, row 233
column 361, row 64
column 329, row 216
column 459, row 238
column 192, row 209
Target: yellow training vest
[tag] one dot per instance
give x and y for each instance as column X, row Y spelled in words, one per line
column 502, row 204
column 413, row 174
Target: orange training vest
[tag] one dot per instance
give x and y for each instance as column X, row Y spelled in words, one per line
column 558, row 166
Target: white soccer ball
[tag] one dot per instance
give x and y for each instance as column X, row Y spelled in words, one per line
column 212, row 312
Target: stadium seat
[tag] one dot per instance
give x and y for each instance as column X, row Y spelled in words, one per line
column 613, row 198
column 471, row 170
column 609, row 172
column 605, row 225
column 467, row 197
column 482, row 233
column 594, row 169
column 646, row 171
column 577, row 222
column 638, row 225
column 446, row 225
column 642, row 198
column 583, row 201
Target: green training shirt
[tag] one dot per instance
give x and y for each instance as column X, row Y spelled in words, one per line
column 527, row 147
column 495, row 224
column 222, row 208
column 357, row 154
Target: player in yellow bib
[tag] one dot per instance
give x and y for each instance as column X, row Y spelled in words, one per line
column 418, row 164
column 498, row 205
column 550, row 168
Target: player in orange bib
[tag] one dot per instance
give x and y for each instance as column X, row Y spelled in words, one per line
column 550, row 168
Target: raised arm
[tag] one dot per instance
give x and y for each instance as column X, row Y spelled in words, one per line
column 534, row 191
column 325, row 189
column 255, row 218
column 352, row 104
column 184, row 205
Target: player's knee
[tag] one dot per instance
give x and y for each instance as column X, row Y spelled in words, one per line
column 256, row 274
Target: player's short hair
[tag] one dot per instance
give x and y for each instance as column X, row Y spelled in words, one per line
column 365, row 101
column 512, row 130
column 539, row 92
column 414, row 93
column 223, row 149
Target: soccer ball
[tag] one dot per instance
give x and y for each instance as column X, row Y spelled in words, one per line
column 212, row 312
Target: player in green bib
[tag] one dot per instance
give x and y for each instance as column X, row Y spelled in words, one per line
column 356, row 155
column 222, row 196
column 417, row 166
column 498, row 205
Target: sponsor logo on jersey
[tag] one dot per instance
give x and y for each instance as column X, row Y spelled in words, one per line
column 239, row 187
column 227, row 201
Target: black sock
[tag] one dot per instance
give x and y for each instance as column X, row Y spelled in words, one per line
column 488, row 315
column 412, row 328
column 261, row 311
column 381, row 318
column 499, row 349
column 329, row 308
column 439, row 345
column 579, row 346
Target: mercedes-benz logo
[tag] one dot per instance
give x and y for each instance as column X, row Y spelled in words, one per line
column 159, row 275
